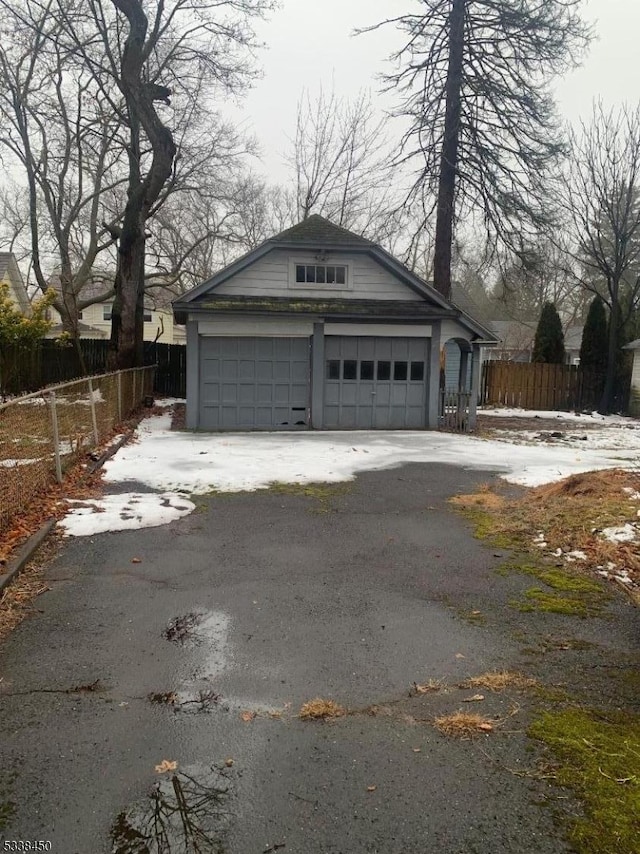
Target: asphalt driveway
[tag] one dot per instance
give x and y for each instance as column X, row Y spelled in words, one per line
column 196, row 643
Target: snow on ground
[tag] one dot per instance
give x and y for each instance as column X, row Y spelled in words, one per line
column 584, row 417
column 230, row 462
column 621, row 534
column 124, row 512
column 173, row 462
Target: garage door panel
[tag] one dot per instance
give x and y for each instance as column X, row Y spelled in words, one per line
column 246, row 393
column 282, row 370
column 229, row 393
column 246, row 369
column 211, row 392
column 300, row 372
column 229, row 369
column 281, row 393
column 332, row 395
column 254, row 383
column 398, row 395
column 264, row 393
column 211, row 369
column 373, row 382
column 264, row 370
column 349, row 394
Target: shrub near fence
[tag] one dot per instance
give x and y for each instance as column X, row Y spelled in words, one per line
column 42, row 434
column 537, row 385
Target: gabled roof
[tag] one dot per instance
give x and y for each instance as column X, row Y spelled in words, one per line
column 10, row 272
column 317, row 233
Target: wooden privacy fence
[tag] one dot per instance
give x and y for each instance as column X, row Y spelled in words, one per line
column 537, row 385
column 24, row 370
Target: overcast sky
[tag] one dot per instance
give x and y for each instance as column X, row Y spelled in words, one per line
column 309, row 44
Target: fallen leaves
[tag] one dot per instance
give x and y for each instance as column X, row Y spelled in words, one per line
column 166, row 765
column 371, row 788
column 430, row 687
column 475, row 699
column 320, row 709
column 248, row 716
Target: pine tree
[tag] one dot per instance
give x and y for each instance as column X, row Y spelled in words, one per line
column 593, row 348
column 548, row 345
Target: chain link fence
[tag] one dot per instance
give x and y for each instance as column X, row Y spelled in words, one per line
column 42, row 434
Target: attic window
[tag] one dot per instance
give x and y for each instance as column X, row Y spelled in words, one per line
column 321, row 274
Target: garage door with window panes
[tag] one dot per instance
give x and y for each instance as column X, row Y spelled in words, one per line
column 254, row 383
column 375, row 383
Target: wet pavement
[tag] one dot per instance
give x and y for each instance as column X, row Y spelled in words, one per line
column 151, row 706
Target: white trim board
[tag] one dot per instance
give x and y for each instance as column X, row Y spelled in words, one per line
column 261, row 328
column 379, row 330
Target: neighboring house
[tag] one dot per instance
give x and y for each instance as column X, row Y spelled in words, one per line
column 95, row 320
column 11, row 275
column 319, row 327
column 634, row 397
column 515, row 341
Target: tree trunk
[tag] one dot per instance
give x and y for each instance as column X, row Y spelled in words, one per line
column 606, row 402
column 127, row 328
column 127, row 323
column 449, row 154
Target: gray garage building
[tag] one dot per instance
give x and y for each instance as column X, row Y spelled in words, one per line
column 320, row 328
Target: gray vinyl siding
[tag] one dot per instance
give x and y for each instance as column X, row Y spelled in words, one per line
column 452, row 367
column 271, row 276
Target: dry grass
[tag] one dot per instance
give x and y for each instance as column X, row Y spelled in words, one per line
column 320, row 710
column 570, row 514
column 463, row 725
column 483, row 499
column 498, row 680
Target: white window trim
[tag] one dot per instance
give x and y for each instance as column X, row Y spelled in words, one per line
column 318, row 286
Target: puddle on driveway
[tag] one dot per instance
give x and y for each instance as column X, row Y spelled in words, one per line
column 205, row 635
column 185, row 813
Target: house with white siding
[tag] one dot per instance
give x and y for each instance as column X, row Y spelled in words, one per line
column 10, row 275
column 94, row 320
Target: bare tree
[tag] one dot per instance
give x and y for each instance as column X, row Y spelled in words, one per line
column 114, row 67
column 59, row 130
column 474, row 77
column 602, row 199
column 540, row 272
column 341, row 166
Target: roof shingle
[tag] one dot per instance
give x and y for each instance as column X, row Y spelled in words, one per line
column 317, row 229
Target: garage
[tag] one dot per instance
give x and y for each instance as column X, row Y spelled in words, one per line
column 252, row 383
column 375, row 383
column 320, row 328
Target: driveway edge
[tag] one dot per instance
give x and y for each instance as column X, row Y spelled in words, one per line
column 25, row 554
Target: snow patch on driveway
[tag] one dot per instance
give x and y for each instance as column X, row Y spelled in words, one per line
column 197, row 463
column 124, row 512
